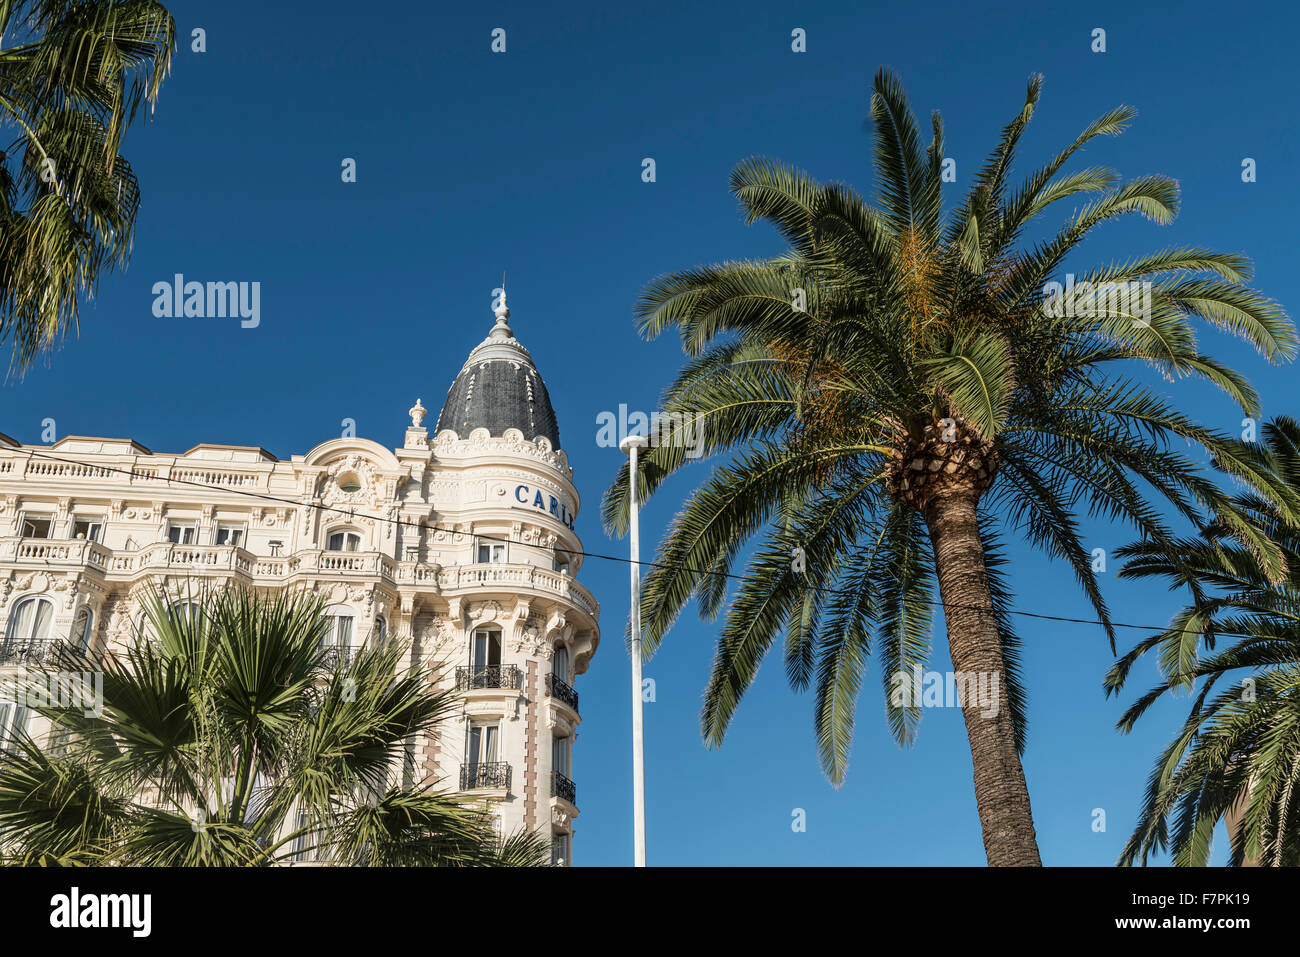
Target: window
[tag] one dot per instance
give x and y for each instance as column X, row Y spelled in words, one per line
column 562, row 560
column 187, row 611
column 484, row 741
column 489, row 552
column 483, row 767
column 305, row 849
column 83, row 629
column 13, row 719
column 37, row 526
column 181, row 534
column 560, row 663
column 340, row 631
column 259, row 799
column 228, row 534
column 560, row 850
column 184, row 613
column 30, row 620
column 336, row 645
column 343, row 542
column 486, row 651
column 91, row 529
column 381, row 629
column 560, row 753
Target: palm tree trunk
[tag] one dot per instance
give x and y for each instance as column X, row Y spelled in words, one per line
column 1235, row 819
column 1000, row 789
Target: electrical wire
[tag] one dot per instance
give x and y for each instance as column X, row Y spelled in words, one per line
column 351, row 513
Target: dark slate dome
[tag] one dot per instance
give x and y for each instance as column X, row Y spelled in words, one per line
column 499, row 388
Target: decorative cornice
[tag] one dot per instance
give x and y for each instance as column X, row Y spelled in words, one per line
column 448, row 445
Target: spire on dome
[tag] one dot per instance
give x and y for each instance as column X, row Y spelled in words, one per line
column 502, row 328
column 502, row 311
column 499, row 388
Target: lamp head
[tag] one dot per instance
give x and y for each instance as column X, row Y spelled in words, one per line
column 633, row 442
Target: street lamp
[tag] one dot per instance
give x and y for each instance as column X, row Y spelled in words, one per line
column 630, row 446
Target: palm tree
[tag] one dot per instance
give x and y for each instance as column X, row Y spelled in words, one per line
column 224, row 739
column 70, row 83
column 896, row 393
column 1238, row 753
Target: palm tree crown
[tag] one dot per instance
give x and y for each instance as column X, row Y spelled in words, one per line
column 1238, row 753
column 224, row 738
column 69, row 86
column 896, row 391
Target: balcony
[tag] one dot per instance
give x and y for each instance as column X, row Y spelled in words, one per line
column 495, row 774
column 562, row 787
column 127, row 565
column 30, row 652
column 477, row 679
column 44, row 552
column 456, row 579
column 562, row 690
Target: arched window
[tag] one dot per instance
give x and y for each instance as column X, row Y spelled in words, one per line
column 187, row 611
column 343, row 541
column 485, row 669
column 30, row 620
column 83, row 629
column 560, row 663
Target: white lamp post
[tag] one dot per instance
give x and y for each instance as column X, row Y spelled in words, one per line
column 630, row 445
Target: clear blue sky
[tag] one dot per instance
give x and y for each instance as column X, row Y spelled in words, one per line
column 470, row 163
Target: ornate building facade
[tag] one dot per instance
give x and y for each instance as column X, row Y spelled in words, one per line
column 460, row 544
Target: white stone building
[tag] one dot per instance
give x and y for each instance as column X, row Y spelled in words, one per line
column 460, row 543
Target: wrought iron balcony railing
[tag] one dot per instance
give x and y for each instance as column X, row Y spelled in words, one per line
column 495, row 774
column 558, row 688
column 32, row 651
column 338, row 656
column 563, row 787
column 498, row 676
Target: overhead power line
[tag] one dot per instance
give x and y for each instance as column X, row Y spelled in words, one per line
column 351, row 513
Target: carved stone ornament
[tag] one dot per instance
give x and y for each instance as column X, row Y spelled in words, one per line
column 438, row 636
column 417, row 413
column 367, row 478
column 530, row 639
column 486, row 611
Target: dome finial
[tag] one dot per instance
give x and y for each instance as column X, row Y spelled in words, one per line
column 502, row 328
column 417, row 413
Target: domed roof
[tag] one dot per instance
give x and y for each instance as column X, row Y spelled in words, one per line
column 499, row 388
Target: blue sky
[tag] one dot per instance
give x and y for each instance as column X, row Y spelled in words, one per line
column 470, row 163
